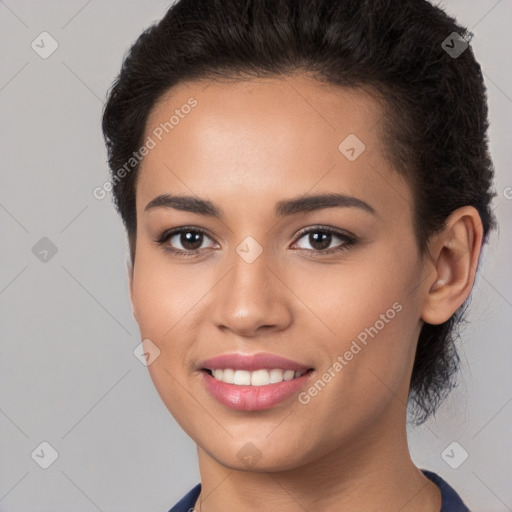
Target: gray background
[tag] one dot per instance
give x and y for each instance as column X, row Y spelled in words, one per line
column 68, row 375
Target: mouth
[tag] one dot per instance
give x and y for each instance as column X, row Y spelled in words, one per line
column 253, row 382
column 242, row 395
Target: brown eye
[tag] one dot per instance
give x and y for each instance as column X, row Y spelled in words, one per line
column 190, row 240
column 320, row 240
column 183, row 241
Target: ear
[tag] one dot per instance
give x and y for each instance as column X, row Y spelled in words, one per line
column 451, row 272
column 129, row 270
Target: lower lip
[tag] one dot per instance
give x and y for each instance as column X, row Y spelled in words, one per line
column 253, row 398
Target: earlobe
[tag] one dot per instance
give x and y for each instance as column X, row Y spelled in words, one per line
column 450, row 276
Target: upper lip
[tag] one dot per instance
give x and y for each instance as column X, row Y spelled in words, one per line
column 251, row 362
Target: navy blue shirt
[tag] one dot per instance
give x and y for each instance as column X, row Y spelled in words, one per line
column 450, row 500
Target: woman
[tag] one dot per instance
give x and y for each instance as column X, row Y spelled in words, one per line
column 306, row 188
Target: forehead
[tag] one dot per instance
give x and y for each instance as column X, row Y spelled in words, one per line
column 261, row 137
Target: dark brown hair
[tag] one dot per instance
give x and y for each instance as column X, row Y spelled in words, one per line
column 435, row 127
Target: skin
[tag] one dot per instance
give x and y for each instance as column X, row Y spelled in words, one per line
column 246, row 146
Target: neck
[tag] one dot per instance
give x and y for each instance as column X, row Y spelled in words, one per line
column 371, row 472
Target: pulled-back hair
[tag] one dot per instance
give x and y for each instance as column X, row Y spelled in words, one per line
column 434, row 129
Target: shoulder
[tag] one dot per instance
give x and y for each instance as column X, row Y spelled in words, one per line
column 186, row 504
column 451, row 501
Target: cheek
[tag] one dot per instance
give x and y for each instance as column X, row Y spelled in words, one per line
column 162, row 315
column 164, row 300
column 369, row 317
column 345, row 298
column 163, row 295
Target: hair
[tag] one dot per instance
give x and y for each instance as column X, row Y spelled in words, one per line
column 434, row 128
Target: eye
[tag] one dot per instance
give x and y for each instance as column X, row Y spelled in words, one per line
column 184, row 241
column 320, row 239
column 188, row 240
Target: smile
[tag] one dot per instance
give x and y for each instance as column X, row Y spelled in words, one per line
column 255, row 378
column 253, row 382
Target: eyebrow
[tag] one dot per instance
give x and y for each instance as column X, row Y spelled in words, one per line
column 285, row 208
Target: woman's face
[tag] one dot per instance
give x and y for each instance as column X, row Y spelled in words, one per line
column 266, row 278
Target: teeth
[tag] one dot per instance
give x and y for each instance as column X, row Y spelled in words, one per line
column 255, row 378
column 276, row 376
column 260, row 378
column 227, row 376
column 242, row 378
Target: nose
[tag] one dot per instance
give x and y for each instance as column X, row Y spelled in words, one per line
column 253, row 298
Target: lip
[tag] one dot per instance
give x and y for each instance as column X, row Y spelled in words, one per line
column 251, row 362
column 253, row 398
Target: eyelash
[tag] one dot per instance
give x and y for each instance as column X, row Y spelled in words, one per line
column 348, row 240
